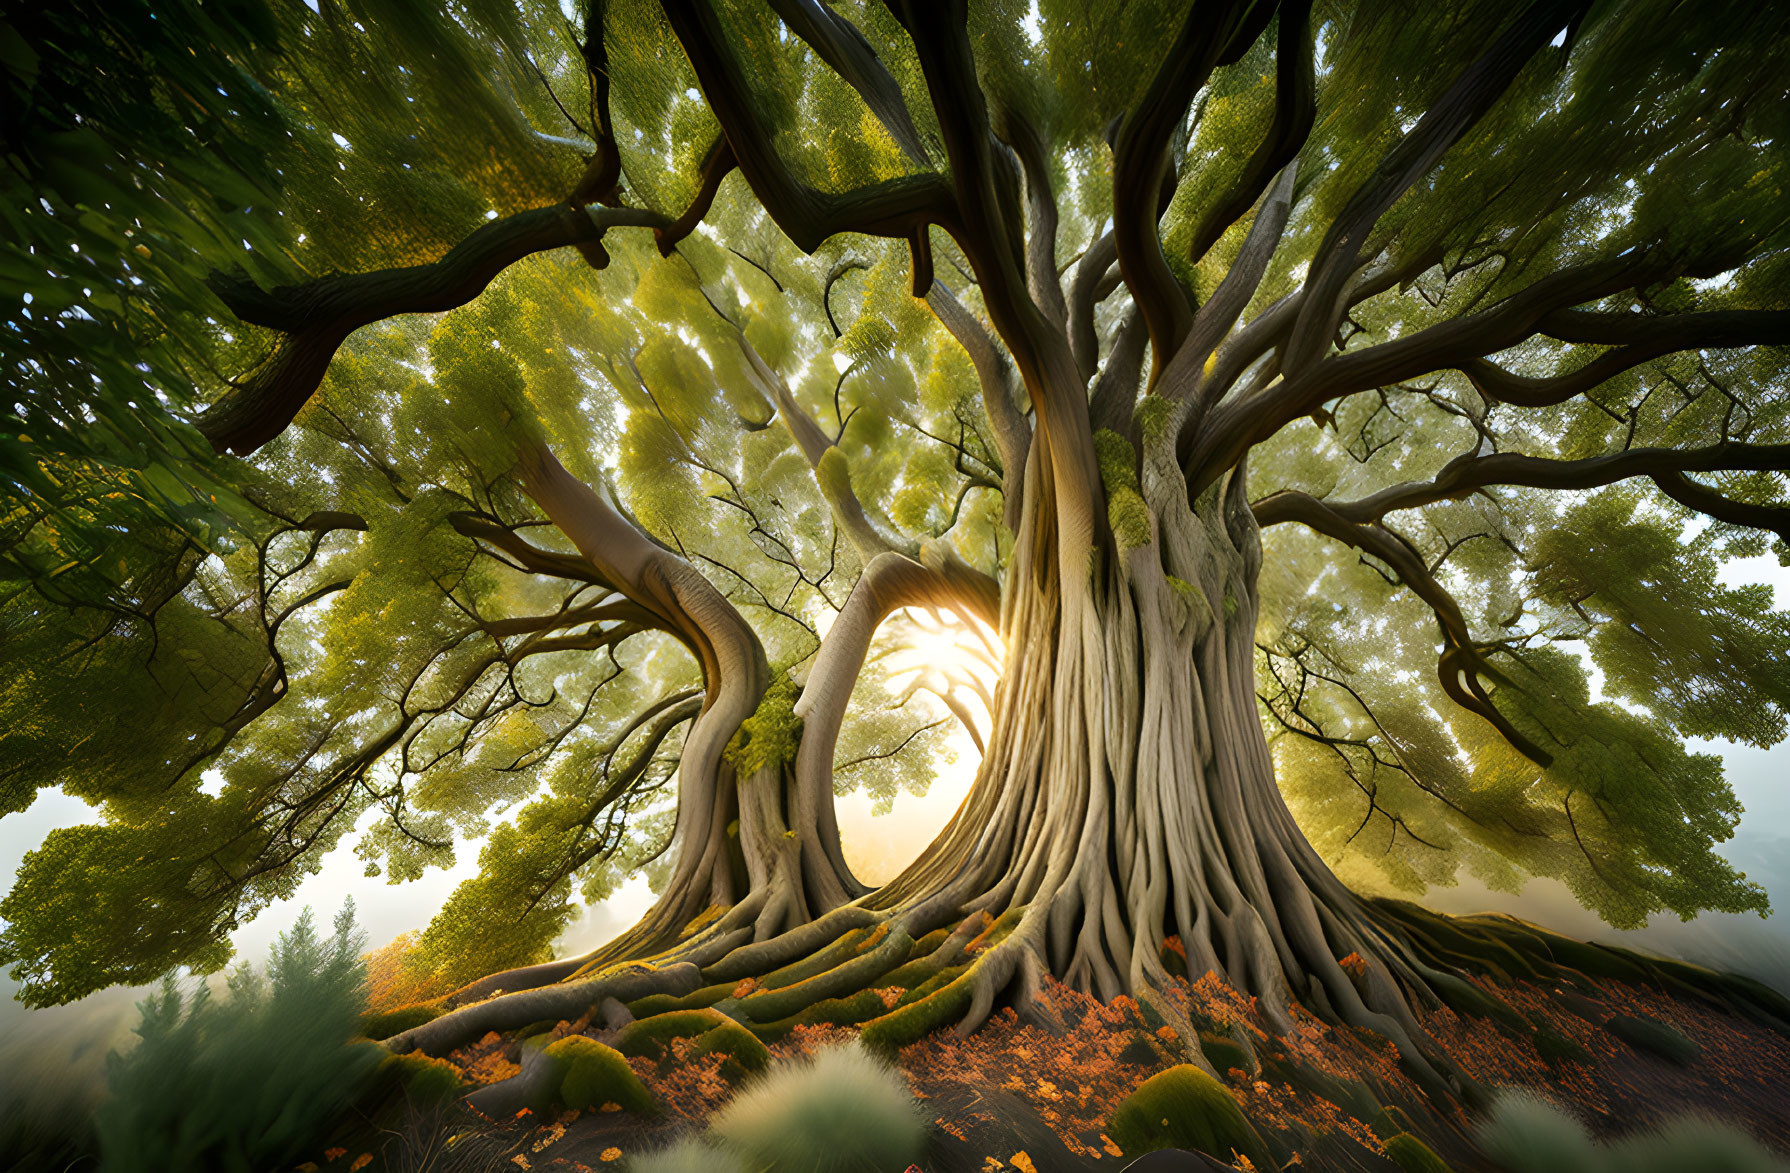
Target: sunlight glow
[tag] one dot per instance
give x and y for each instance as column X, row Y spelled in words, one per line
column 948, row 667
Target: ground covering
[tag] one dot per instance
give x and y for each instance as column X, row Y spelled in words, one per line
column 1046, row 1092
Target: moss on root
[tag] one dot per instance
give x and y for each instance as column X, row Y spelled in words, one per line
column 927, row 1011
column 707, row 996
column 649, row 1037
column 845, row 948
column 1555, row 1048
column 848, row 1011
column 421, row 1079
column 1413, row 1156
column 1224, row 1054
column 592, row 1075
column 736, row 1044
column 392, row 1022
column 1185, row 1108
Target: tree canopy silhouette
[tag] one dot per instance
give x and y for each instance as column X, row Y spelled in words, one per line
column 421, row 415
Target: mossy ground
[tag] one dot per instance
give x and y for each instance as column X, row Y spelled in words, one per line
column 1047, row 1087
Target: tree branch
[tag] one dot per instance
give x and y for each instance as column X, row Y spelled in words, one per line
column 1467, row 474
column 716, row 164
column 838, row 43
column 891, row 208
column 1458, row 109
column 1460, row 665
column 1012, row 434
column 1636, row 338
column 1237, row 426
column 1295, row 109
column 318, row 316
column 1141, row 162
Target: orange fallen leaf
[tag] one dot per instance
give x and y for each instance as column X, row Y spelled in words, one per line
column 610, row 1153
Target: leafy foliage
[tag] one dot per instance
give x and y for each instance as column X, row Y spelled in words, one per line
column 236, row 661
column 842, row 1111
column 1526, row 1134
column 244, row 1083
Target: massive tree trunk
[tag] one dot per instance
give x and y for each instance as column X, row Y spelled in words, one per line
column 1126, row 795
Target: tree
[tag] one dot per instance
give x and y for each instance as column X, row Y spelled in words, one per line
column 1283, row 382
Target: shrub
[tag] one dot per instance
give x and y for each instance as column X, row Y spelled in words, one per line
column 844, row 1111
column 593, row 1075
column 687, row 1156
column 424, row 1081
column 248, row 1081
column 1526, row 1134
column 1184, row 1108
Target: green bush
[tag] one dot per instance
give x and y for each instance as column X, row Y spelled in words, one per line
column 423, row 1080
column 245, row 1082
column 1413, row 1156
column 1526, row 1134
column 687, row 1156
column 1184, row 1108
column 845, row 1111
column 594, row 1075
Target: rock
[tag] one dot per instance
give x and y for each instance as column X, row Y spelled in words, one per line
column 1655, row 1038
column 592, row 1075
column 1184, row 1107
column 613, row 1014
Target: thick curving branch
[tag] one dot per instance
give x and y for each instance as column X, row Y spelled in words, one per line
column 890, row 581
column 1041, row 214
column 1634, row 338
column 1239, row 424
column 1295, row 110
column 1703, row 499
column 1141, row 163
column 717, row 163
column 1087, row 290
column 318, row 316
column 1470, row 473
column 1012, row 434
column 1215, row 319
column 1461, row 664
column 1459, row 108
column 602, row 175
column 808, row 216
column 838, row 43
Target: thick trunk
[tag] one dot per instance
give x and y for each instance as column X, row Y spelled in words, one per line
column 1126, row 795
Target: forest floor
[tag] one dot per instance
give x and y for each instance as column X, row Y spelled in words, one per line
column 1034, row 1096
